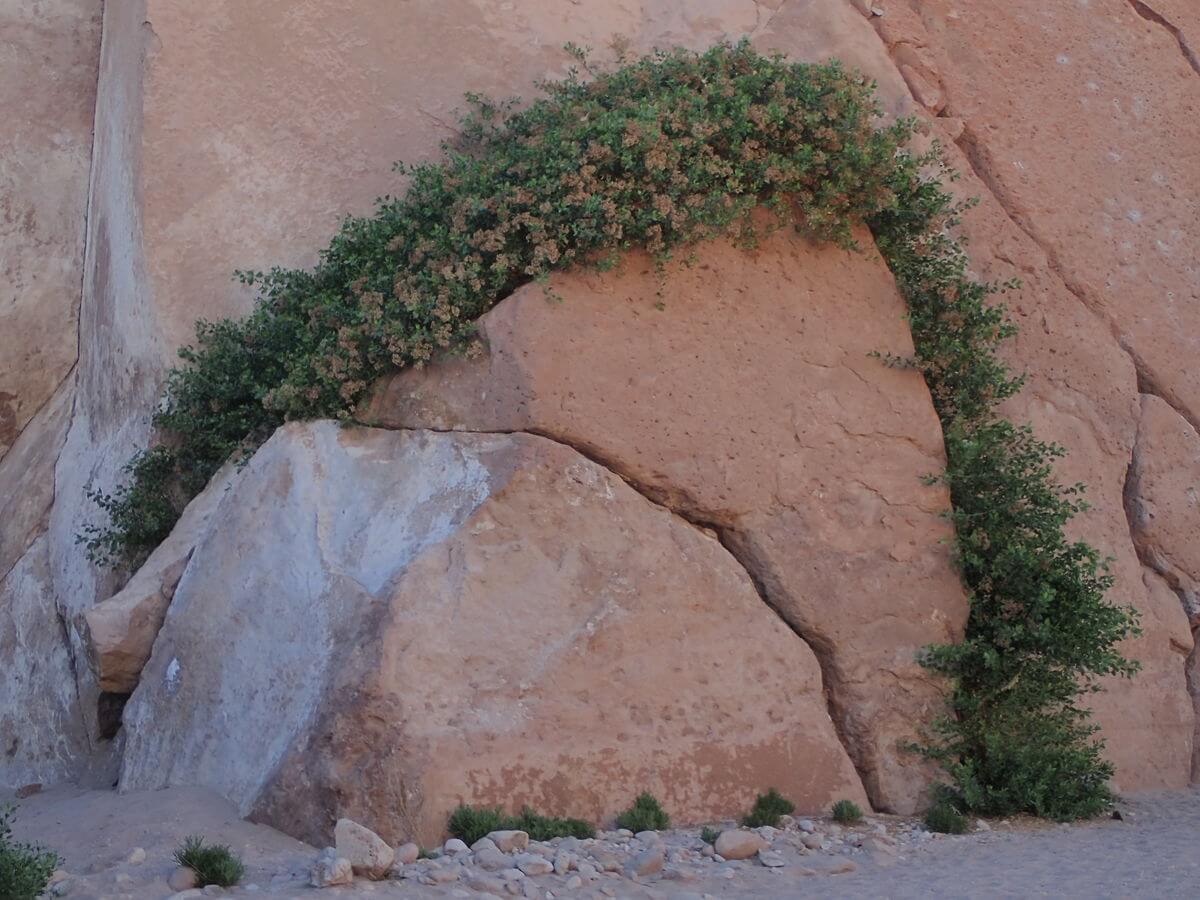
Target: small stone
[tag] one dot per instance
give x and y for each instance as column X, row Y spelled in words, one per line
column 136, row 856
column 451, row 847
column 624, row 832
column 212, row 890
column 369, row 854
column 511, row 874
column 843, row 868
column 981, row 825
column 56, row 876
column 485, row 884
column 648, row 837
column 534, row 865
column 767, row 833
column 648, row 862
column 491, row 859
column 509, row 841
column 408, row 853
column 516, row 888
column 574, row 883
column 588, row 871
column 328, row 870
column 26, row 791
column 61, row 888
column 122, row 879
column 877, row 11
column 786, row 822
column 770, row 859
column 811, row 841
column 806, row 825
column 484, row 844
column 182, row 879
column 736, row 844
column 563, row 862
column 188, row 895
column 444, row 874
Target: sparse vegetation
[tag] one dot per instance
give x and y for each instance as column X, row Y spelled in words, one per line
column 212, row 863
column 944, row 818
column 846, row 812
column 646, row 814
column 470, row 823
column 422, row 853
column 658, row 154
column 709, row 835
column 768, row 808
column 25, row 869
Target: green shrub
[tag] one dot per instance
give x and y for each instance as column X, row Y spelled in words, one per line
column 645, row 815
column 1039, row 632
column 847, row 812
column 422, row 853
column 470, row 823
column 709, row 835
column 944, row 818
column 768, row 808
column 658, row 154
column 24, row 869
column 212, row 863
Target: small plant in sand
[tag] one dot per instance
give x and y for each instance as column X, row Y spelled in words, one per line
column 25, row 869
column 645, row 815
column 212, row 863
column 846, row 812
column 768, row 808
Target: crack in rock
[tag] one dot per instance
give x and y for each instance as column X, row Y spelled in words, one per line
column 1152, row 15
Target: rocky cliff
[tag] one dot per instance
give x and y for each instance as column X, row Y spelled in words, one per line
column 651, row 550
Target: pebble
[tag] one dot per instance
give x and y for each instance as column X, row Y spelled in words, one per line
column 485, row 883
column 574, row 883
column 534, row 865
column 328, row 870
column 406, row 854
column 136, row 856
column 484, row 843
column 369, row 854
column 509, row 841
column 453, row 846
column 648, row 837
column 182, row 879
column 511, row 874
column 563, row 862
column 812, row 841
column 444, row 874
column 736, row 844
column 770, row 859
column 648, row 862
column 806, row 825
column 491, row 859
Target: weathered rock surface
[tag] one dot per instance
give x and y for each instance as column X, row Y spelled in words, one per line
column 369, row 854
column 47, row 97
column 740, row 393
column 1085, row 331
column 385, row 624
column 121, row 630
column 738, row 844
column 41, row 734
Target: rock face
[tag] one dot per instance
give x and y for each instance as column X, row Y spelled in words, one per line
column 741, row 394
column 819, row 500
column 385, row 624
column 47, row 95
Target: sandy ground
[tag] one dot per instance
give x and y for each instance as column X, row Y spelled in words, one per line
column 1153, row 852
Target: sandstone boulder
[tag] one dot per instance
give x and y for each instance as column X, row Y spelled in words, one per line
column 369, row 854
column 740, row 392
column 738, row 844
column 385, row 624
column 121, row 630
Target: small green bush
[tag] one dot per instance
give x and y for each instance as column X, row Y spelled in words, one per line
column 470, row 823
column 944, row 818
column 846, row 812
column 645, row 815
column 212, row 863
column 24, row 869
column 422, row 853
column 709, row 835
column 768, row 808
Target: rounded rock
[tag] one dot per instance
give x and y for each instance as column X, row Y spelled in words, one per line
column 182, row 879
column 736, row 844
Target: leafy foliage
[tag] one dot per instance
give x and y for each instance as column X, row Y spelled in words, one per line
column 944, row 818
column 470, row 823
column 658, row 154
column 25, row 869
column 1040, row 631
column 212, row 863
column 768, row 808
column 846, row 812
column 709, row 835
column 646, row 814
